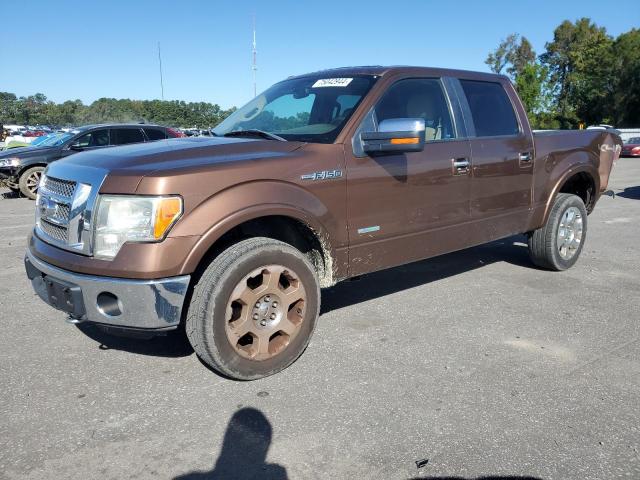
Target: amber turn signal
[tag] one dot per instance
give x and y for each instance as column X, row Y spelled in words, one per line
column 405, row 141
column 167, row 212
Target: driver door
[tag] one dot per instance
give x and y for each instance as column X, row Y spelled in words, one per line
column 88, row 141
column 407, row 206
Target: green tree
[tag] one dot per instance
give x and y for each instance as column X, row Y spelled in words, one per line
column 626, row 79
column 580, row 62
column 513, row 54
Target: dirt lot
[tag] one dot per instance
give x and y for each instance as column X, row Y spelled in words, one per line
column 475, row 361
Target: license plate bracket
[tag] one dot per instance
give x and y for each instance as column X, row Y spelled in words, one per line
column 64, row 296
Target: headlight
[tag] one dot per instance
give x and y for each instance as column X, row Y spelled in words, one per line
column 10, row 162
column 123, row 219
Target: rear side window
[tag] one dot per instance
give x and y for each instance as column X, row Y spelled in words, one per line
column 155, row 133
column 491, row 109
column 122, row 136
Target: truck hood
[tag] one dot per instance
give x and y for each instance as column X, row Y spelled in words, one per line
column 127, row 165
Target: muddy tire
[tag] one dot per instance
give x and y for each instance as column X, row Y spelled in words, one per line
column 29, row 181
column 557, row 244
column 254, row 309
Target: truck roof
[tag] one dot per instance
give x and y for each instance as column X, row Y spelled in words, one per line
column 381, row 70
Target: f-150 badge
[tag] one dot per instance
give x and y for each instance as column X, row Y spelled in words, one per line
column 322, row 175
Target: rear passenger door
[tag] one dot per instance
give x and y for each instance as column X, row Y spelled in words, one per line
column 124, row 136
column 502, row 159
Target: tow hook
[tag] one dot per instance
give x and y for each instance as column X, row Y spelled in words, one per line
column 610, row 193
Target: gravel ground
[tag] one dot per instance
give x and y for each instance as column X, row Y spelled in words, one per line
column 475, row 361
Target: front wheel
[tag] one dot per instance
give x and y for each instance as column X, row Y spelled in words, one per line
column 254, row 309
column 558, row 243
column 29, row 181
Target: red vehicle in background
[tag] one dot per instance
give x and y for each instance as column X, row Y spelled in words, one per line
column 173, row 132
column 34, row 133
column 631, row 148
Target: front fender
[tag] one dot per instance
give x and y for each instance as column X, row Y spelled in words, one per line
column 231, row 207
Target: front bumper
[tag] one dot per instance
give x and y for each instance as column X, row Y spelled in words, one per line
column 117, row 302
column 9, row 173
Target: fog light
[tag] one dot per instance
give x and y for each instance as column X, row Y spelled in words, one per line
column 108, row 304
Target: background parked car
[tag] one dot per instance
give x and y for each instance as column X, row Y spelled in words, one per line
column 631, row 147
column 22, row 167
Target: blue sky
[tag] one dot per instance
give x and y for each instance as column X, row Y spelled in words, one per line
column 88, row 50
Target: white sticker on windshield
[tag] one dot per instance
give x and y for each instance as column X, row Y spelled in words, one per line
column 332, row 82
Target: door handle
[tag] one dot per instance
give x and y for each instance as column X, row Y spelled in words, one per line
column 460, row 166
column 525, row 157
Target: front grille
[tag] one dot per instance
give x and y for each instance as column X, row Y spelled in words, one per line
column 56, row 232
column 64, row 207
column 62, row 211
column 64, row 188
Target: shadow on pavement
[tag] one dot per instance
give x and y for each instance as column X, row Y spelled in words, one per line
column 508, row 477
column 244, row 451
column 631, row 192
column 512, row 250
column 172, row 344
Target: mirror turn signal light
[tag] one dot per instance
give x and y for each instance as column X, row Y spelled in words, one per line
column 405, row 141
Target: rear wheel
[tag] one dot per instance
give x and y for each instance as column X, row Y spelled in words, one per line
column 557, row 245
column 254, row 309
column 29, row 181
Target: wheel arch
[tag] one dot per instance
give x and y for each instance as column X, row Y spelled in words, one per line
column 582, row 180
column 37, row 163
column 292, row 215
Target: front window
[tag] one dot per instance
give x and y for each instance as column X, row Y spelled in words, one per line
column 307, row 109
column 418, row 98
column 97, row 138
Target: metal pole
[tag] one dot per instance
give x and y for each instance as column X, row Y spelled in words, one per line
column 160, row 63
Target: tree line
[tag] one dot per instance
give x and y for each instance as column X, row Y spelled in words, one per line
column 38, row 110
column 584, row 76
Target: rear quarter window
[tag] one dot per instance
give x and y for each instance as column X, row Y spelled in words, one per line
column 155, row 134
column 491, row 108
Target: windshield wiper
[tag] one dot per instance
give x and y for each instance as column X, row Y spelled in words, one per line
column 253, row 132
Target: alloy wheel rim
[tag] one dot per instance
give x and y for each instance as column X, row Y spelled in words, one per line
column 33, row 181
column 570, row 233
column 265, row 312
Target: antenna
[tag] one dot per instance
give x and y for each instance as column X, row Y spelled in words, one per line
column 160, row 62
column 254, row 66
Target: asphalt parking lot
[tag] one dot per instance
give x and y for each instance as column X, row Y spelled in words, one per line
column 475, row 361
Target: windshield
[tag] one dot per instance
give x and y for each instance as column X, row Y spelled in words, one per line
column 308, row 109
column 633, row 140
column 53, row 140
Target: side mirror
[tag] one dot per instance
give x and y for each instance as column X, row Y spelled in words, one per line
column 76, row 147
column 395, row 135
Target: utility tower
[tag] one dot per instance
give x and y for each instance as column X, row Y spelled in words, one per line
column 254, row 66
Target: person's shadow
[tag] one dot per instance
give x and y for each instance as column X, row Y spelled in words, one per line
column 244, row 451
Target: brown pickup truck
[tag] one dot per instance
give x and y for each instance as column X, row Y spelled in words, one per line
column 320, row 178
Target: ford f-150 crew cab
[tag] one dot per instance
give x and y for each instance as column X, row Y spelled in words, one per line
column 320, row 178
